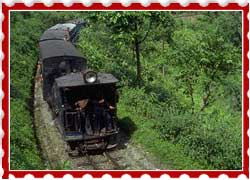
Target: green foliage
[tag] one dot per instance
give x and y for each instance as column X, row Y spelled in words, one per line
column 191, row 98
column 130, row 25
column 204, row 136
column 133, row 28
column 228, row 24
column 105, row 54
column 26, row 29
column 170, row 156
column 65, row 165
column 23, row 150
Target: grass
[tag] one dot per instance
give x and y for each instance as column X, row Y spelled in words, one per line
column 142, row 132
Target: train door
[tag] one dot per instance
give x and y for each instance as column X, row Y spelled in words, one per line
column 72, row 117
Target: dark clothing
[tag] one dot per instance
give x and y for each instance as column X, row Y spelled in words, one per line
column 109, row 119
column 98, row 111
column 88, row 128
column 104, row 115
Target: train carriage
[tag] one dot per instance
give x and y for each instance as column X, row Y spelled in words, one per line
column 58, row 57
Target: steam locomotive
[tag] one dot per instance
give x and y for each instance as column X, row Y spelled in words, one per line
column 83, row 101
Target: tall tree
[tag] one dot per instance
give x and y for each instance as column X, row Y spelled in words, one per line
column 134, row 28
column 203, row 59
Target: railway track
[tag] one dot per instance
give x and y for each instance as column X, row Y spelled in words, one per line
column 102, row 161
column 116, row 165
column 92, row 162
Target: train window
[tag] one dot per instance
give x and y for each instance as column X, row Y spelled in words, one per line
column 64, row 67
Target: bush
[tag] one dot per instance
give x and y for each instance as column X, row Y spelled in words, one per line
column 209, row 138
column 23, row 150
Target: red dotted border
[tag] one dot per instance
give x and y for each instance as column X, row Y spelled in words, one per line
column 117, row 174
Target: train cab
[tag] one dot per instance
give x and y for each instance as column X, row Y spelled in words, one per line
column 85, row 104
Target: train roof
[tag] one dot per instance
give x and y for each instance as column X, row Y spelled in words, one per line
column 58, row 48
column 64, row 26
column 59, row 31
column 53, row 34
column 76, row 79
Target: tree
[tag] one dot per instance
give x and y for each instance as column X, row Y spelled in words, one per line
column 227, row 24
column 134, row 28
column 203, row 60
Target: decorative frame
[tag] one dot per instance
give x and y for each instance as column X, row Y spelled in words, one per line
column 115, row 173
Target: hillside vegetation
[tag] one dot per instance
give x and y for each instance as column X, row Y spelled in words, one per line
column 25, row 31
column 180, row 74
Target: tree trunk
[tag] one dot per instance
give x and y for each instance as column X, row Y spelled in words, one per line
column 133, row 52
column 206, row 98
column 138, row 63
column 192, row 101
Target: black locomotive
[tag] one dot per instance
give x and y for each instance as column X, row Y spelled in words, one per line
column 83, row 101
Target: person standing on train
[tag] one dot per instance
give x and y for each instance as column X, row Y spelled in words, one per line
column 67, row 35
column 111, row 101
column 98, row 111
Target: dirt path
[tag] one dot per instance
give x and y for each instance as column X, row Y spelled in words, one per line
column 125, row 156
column 52, row 145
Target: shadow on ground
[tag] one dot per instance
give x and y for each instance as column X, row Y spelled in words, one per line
column 127, row 128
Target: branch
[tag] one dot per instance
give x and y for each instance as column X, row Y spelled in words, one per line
column 206, row 100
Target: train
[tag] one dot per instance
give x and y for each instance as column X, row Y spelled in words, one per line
column 83, row 101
